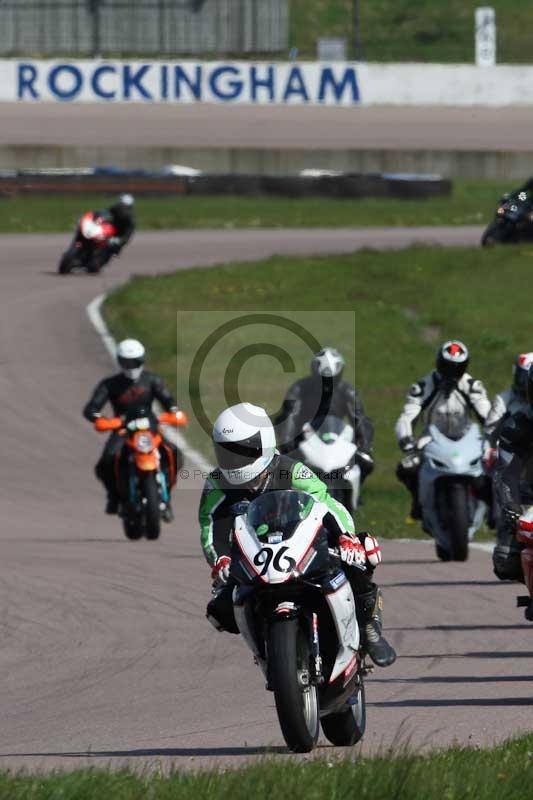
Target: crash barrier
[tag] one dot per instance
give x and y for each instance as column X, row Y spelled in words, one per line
column 114, row 181
column 264, row 83
column 154, row 27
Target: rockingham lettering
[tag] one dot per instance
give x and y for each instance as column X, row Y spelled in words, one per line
column 185, row 82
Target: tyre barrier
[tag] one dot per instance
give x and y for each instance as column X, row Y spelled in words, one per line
column 140, row 182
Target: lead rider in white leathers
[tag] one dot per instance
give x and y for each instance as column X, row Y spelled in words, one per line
column 447, row 390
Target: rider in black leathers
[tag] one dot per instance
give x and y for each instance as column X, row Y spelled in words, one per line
column 513, row 484
column 122, row 217
column 312, row 398
column 131, row 394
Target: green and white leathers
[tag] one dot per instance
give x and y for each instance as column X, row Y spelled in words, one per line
column 218, row 496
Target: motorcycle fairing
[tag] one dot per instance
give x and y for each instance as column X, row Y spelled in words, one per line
column 447, row 458
column 276, row 562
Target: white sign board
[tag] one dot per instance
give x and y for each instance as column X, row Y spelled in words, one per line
column 485, row 36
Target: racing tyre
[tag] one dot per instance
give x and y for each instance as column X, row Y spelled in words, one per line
column 67, row 263
column 346, row 728
column 150, row 492
column 458, row 521
column 132, row 529
column 296, row 697
column 496, row 233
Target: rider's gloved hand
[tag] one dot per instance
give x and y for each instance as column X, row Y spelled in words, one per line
column 220, row 571
column 511, row 513
column 407, row 443
column 114, row 244
column 352, row 552
column 372, row 548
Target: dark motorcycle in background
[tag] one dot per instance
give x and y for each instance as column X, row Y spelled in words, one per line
column 92, row 246
column 512, row 223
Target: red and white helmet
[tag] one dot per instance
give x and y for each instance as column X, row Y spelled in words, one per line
column 520, row 373
column 245, row 442
column 328, row 363
column 452, row 359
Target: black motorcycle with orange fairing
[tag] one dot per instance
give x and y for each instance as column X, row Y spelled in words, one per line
column 145, row 471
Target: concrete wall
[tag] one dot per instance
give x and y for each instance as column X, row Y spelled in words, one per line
column 499, row 164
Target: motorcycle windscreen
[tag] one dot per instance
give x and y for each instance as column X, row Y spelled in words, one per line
column 331, row 428
column 452, row 425
column 279, row 513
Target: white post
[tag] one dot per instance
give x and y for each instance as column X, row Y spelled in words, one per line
column 485, row 36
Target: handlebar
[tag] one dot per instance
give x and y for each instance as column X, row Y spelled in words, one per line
column 175, row 418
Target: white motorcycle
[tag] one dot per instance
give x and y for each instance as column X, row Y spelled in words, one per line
column 450, row 457
column 296, row 612
column 329, row 450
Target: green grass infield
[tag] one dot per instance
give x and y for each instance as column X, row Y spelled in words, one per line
column 471, row 202
column 387, row 312
column 458, row 773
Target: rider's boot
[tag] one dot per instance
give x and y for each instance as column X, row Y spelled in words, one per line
column 167, row 513
column 370, row 618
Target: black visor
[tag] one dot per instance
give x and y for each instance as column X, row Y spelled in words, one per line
column 236, row 455
column 130, row 363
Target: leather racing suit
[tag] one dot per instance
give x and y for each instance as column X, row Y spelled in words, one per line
column 216, row 525
column 129, row 399
column 513, row 482
column 312, row 398
column 430, row 396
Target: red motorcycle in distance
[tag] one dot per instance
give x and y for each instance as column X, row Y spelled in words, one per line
column 144, row 480
column 524, row 534
column 92, row 246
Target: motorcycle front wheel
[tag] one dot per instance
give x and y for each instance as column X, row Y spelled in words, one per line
column 496, row 233
column 289, row 658
column 67, row 263
column 346, row 728
column 458, row 521
column 150, row 491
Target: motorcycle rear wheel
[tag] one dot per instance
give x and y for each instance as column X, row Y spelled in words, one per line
column 346, row 728
column 289, row 657
column 152, row 514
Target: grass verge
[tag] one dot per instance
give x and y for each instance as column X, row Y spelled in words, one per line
column 386, row 311
column 411, row 30
column 503, row 773
column 471, row 202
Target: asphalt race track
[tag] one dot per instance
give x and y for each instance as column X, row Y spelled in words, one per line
column 105, row 655
column 222, row 126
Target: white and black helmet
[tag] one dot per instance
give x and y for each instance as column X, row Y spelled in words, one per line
column 328, row 363
column 452, row 359
column 520, row 373
column 130, row 358
column 244, row 441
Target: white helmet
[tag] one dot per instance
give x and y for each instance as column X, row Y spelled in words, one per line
column 126, row 200
column 245, row 442
column 328, row 363
column 130, row 357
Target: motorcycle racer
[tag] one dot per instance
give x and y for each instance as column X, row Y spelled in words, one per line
column 449, row 390
column 312, row 398
column 131, row 393
column 122, row 217
column 513, row 483
column 249, row 465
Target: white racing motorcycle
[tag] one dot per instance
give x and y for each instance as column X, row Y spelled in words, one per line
column 328, row 449
column 296, row 612
column 450, row 457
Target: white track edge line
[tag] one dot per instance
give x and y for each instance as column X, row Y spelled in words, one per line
column 95, row 316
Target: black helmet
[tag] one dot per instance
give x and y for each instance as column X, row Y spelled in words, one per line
column 452, row 360
column 520, row 373
column 123, row 207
